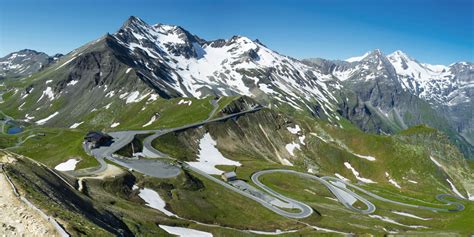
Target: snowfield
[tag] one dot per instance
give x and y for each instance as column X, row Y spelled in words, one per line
column 209, row 156
column 67, row 165
column 153, row 200
column 184, row 232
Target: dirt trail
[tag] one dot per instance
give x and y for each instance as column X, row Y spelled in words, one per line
column 16, row 218
column 110, row 171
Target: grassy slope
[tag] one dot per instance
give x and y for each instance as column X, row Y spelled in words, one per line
column 57, row 146
column 395, row 156
column 401, row 160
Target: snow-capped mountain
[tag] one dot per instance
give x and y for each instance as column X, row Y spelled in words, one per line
column 25, row 62
column 405, row 92
column 141, row 61
column 183, row 64
column 434, row 83
column 450, row 89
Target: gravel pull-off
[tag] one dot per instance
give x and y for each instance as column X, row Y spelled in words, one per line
column 17, row 219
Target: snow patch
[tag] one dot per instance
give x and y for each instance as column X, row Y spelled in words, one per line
column 153, row 97
column 108, row 105
column 43, row 121
column 28, row 117
column 47, row 92
column 436, row 162
column 150, row 122
column 276, row 232
column 110, row 94
column 301, row 138
column 153, row 200
column 370, row 158
column 264, row 87
column 386, row 219
column 184, row 232
column 356, row 174
column 72, row 83
column 341, row 177
column 410, row 215
column 114, row 125
column 209, row 156
column 291, row 147
column 185, row 102
column 392, row 181
column 357, row 59
column 294, row 130
column 286, row 162
column 132, row 97
column 75, row 125
column 67, row 165
column 455, row 190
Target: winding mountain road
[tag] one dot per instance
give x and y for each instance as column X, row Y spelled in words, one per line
column 123, row 138
column 334, row 189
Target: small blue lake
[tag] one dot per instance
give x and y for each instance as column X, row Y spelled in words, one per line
column 14, row 130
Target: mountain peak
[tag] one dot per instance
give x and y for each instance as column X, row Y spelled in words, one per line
column 376, row 52
column 399, row 54
column 133, row 21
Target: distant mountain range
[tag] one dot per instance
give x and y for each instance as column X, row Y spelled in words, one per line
column 379, row 93
column 25, row 62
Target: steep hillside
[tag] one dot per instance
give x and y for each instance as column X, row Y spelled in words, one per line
column 269, row 136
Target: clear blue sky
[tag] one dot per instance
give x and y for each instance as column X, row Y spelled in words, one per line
column 432, row 31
